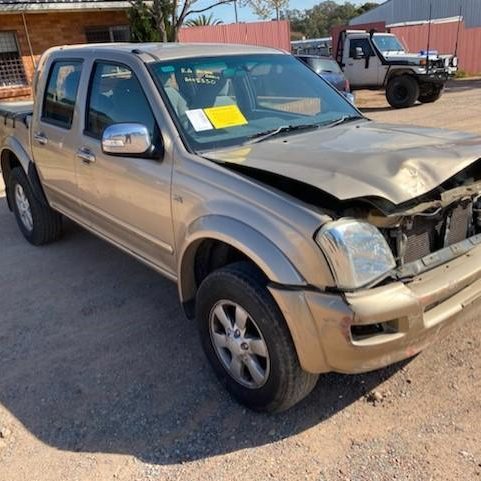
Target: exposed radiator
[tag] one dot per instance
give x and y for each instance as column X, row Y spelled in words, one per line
column 429, row 235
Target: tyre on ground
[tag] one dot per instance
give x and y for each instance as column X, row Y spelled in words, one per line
column 38, row 223
column 431, row 93
column 247, row 342
column 402, row 92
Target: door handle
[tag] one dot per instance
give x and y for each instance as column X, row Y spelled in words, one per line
column 41, row 138
column 86, row 156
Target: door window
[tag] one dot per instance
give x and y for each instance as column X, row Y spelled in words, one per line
column 61, row 93
column 116, row 96
column 363, row 43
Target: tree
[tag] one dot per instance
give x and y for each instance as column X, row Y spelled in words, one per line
column 320, row 19
column 366, row 7
column 161, row 20
column 265, row 8
column 203, row 21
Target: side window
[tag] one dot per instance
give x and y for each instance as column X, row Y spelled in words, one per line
column 116, row 96
column 61, row 93
column 362, row 43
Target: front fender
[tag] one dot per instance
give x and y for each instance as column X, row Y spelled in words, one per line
column 264, row 253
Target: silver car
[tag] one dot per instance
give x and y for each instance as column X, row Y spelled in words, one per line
column 303, row 237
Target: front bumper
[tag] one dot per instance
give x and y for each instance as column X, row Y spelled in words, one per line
column 436, row 76
column 330, row 333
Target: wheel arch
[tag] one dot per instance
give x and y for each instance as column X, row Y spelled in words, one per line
column 232, row 240
column 398, row 73
column 14, row 155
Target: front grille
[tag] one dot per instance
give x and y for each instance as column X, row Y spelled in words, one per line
column 429, row 235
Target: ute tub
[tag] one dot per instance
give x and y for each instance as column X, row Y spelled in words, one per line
column 372, row 328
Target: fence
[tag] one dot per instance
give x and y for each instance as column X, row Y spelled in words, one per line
column 266, row 34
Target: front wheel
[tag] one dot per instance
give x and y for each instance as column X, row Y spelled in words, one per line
column 402, row 92
column 430, row 94
column 246, row 340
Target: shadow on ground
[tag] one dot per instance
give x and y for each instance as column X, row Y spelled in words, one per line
column 462, row 85
column 97, row 356
column 368, row 110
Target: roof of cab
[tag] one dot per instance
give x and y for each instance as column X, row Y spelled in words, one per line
column 170, row 51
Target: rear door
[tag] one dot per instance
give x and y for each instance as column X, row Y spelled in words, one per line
column 54, row 129
column 127, row 198
column 364, row 71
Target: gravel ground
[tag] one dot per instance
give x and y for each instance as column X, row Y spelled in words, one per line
column 102, row 378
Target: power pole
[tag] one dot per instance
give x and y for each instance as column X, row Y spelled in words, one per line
column 236, row 12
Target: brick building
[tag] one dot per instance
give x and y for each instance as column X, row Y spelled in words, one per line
column 29, row 27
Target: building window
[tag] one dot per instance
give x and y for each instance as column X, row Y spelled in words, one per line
column 12, row 73
column 119, row 33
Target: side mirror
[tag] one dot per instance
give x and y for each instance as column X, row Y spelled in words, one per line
column 127, row 139
column 359, row 53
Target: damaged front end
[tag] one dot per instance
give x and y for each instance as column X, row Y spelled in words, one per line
column 425, row 233
column 421, row 233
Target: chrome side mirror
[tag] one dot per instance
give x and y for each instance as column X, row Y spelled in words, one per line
column 126, row 139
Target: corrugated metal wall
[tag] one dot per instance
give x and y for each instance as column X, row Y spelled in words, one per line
column 266, row 34
column 443, row 39
column 397, row 11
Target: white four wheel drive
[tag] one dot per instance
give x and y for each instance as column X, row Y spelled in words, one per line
column 378, row 61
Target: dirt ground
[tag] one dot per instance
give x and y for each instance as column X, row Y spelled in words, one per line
column 102, row 377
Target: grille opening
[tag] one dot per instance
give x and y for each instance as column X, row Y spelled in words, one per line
column 361, row 332
column 427, row 235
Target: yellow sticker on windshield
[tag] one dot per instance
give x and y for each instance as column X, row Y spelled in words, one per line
column 226, row 116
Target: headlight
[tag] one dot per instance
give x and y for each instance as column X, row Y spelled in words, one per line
column 356, row 251
column 455, row 61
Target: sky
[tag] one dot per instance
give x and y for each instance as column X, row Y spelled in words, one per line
column 226, row 12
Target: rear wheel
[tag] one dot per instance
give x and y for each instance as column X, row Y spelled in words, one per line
column 246, row 340
column 37, row 221
column 402, row 92
column 430, row 93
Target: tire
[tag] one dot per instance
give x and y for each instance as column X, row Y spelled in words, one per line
column 430, row 94
column 279, row 381
column 38, row 223
column 402, row 92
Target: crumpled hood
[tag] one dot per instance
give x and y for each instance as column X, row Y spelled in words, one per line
column 362, row 159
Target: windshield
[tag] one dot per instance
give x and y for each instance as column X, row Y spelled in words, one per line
column 320, row 65
column 226, row 101
column 388, row 43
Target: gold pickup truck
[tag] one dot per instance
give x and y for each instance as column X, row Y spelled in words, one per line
column 303, row 237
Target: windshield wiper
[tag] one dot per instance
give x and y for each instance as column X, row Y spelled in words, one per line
column 261, row 136
column 342, row 120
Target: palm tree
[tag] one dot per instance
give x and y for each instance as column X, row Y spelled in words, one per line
column 203, row 21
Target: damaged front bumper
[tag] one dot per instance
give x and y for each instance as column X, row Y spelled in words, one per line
column 372, row 328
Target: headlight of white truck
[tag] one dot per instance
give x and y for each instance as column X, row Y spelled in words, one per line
column 356, row 251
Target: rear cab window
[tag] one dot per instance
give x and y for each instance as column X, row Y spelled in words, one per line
column 61, row 93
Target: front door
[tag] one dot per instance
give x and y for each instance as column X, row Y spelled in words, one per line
column 364, row 70
column 127, row 198
column 55, row 130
